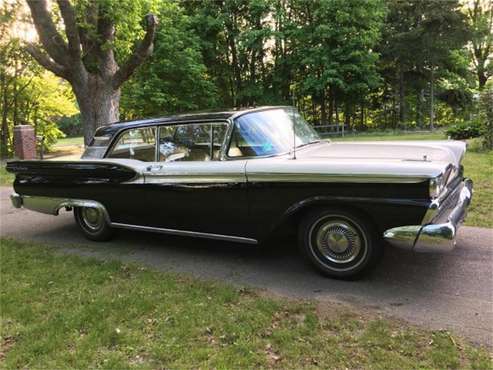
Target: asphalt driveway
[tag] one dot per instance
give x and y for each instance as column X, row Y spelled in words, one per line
column 450, row 291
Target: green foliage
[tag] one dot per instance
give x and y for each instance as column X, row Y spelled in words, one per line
column 71, row 125
column 28, row 94
column 370, row 64
column 175, row 78
column 127, row 17
column 336, row 46
column 464, row 130
column 480, row 20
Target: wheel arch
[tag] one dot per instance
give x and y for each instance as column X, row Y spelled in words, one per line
column 83, row 203
column 296, row 212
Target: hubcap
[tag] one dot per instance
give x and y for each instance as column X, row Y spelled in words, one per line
column 93, row 218
column 338, row 241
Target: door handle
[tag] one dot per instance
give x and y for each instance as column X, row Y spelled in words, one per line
column 154, row 167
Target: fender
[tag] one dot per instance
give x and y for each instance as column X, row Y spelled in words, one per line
column 357, row 202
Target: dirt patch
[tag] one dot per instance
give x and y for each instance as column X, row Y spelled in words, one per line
column 7, row 343
column 66, row 152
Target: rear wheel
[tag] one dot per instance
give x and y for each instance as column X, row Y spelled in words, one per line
column 339, row 243
column 93, row 224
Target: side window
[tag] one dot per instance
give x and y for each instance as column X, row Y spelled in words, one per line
column 137, row 144
column 191, row 142
column 250, row 141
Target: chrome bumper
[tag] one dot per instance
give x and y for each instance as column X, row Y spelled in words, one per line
column 438, row 235
column 51, row 206
column 16, row 200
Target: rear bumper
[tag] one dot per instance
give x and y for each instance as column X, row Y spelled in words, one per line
column 16, row 200
column 439, row 235
column 51, row 206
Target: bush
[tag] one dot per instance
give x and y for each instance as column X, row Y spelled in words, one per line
column 70, row 125
column 465, row 130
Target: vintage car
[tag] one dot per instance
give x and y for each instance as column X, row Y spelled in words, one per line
column 243, row 175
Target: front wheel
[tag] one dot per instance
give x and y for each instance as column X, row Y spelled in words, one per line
column 339, row 243
column 92, row 223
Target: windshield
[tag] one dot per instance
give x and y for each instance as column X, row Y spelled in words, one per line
column 270, row 132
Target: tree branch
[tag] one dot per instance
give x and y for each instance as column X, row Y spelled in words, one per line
column 91, row 20
column 68, row 15
column 106, row 55
column 45, row 61
column 50, row 38
column 17, row 93
column 140, row 53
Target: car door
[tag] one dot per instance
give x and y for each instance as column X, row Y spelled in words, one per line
column 189, row 187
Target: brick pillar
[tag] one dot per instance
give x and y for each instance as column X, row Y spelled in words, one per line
column 24, row 142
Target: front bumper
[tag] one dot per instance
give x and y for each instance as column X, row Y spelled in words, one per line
column 438, row 233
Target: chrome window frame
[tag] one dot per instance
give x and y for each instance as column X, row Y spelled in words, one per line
column 230, row 135
column 232, row 120
column 227, row 122
column 158, row 125
column 122, row 132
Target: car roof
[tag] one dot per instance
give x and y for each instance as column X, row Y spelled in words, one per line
column 185, row 118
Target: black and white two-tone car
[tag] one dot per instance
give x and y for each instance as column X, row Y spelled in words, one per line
column 242, row 175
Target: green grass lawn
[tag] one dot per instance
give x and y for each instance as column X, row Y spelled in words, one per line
column 60, row 311
column 391, row 135
column 5, row 177
column 66, row 141
column 479, row 167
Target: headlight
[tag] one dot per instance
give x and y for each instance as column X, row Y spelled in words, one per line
column 436, row 186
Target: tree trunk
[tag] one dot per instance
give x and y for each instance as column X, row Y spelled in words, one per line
column 15, row 100
column 482, row 78
column 98, row 104
column 5, row 124
column 362, row 117
column 331, row 106
column 97, row 89
column 385, row 116
column 323, row 109
column 337, row 114
column 432, row 100
column 347, row 115
column 402, row 100
column 419, row 108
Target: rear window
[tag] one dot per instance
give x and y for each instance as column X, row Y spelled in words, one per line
column 97, row 147
column 139, row 144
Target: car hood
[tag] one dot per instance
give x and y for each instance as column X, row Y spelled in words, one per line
column 447, row 151
column 392, row 161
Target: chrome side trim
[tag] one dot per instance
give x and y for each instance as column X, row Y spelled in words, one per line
column 218, row 178
column 328, row 177
column 195, row 234
column 51, row 206
column 210, row 172
column 431, row 237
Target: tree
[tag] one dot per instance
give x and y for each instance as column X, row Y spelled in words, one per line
column 175, row 78
column 15, row 66
column 418, row 41
column 86, row 59
column 480, row 18
column 335, row 51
